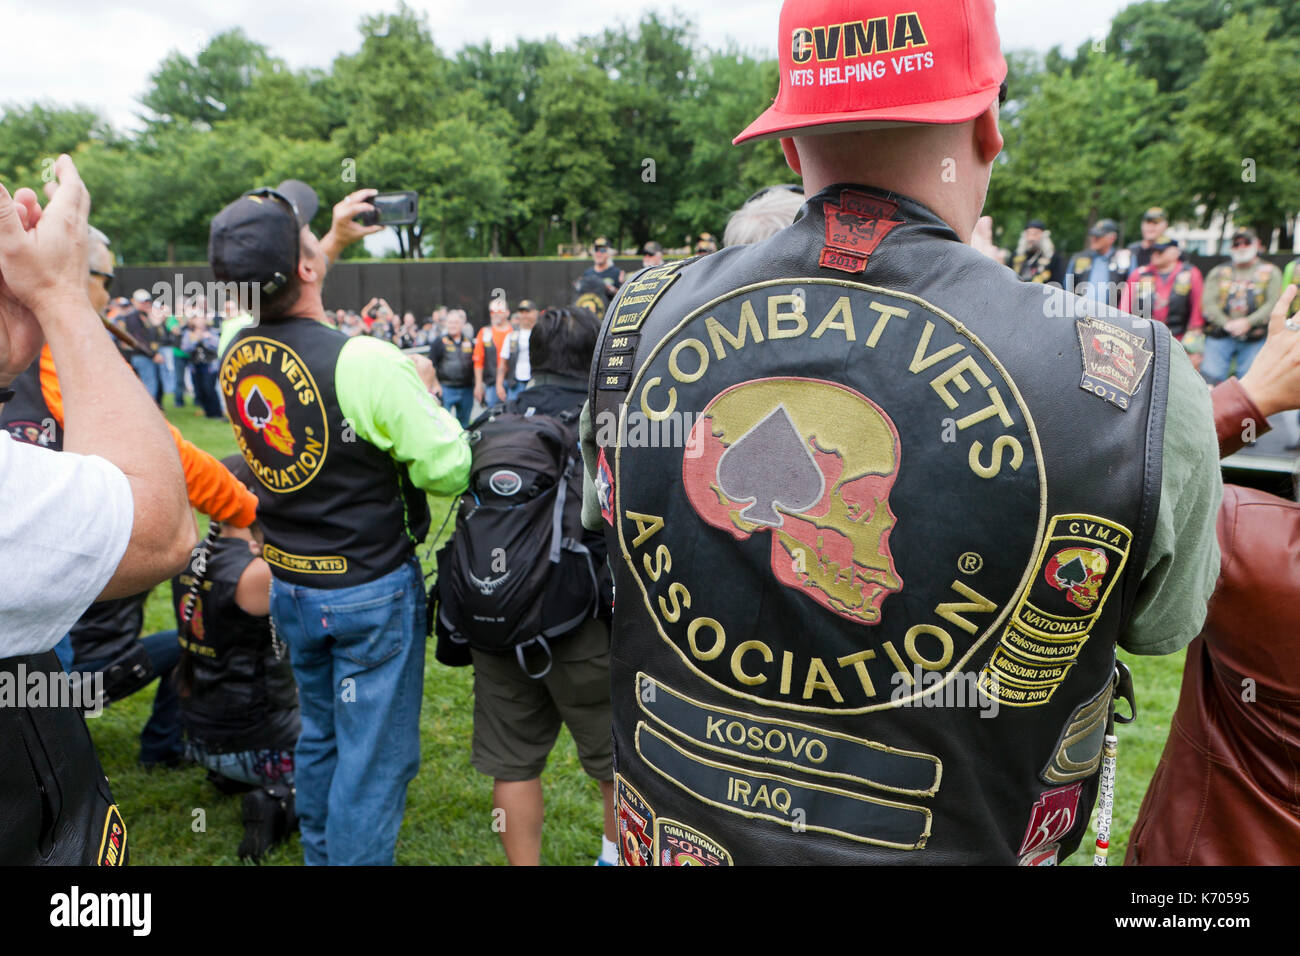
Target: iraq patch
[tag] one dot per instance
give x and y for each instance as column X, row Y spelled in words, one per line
column 1050, row 819
column 635, row 826
column 1115, row 361
column 112, row 845
column 676, row 844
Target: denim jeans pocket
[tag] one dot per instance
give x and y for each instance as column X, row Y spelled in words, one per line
column 367, row 632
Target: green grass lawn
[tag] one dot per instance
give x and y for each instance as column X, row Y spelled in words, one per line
column 175, row 816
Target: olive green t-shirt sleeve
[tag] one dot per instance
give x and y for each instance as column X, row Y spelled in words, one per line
column 1182, row 566
column 382, row 397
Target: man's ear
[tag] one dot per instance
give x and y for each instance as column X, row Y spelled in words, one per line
column 988, row 138
column 791, row 155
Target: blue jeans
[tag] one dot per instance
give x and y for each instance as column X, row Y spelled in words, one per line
column 358, row 656
column 1219, row 354
column 459, row 401
column 256, row 768
column 205, row 389
column 178, row 392
column 515, row 390
column 147, row 369
column 160, row 740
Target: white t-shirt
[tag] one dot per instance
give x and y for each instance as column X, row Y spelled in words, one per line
column 65, row 522
column 523, row 368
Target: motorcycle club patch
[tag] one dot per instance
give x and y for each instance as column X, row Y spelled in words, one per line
column 1050, row 819
column 280, row 421
column 854, row 229
column 112, row 845
column 676, row 844
column 1115, row 361
column 823, row 484
column 635, row 826
column 1081, row 560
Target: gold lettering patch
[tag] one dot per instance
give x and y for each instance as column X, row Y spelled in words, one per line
column 305, row 564
column 784, row 801
column 1081, row 560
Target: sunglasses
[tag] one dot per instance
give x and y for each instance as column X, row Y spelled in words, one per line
column 1002, row 94
column 107, row 278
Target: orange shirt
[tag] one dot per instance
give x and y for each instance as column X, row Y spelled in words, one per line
column 498, row 339
column 212, row 489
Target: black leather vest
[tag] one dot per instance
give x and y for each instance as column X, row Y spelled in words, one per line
column 456, row 362
column 242, row 695
column 877, row 512
column 1151, row 290
column 108, row 630
column 26, row 417
column 336, row 510
column 57, row 807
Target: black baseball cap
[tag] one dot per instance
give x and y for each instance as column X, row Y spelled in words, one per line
column 652, row 249
column 255, row 238
column 527, row 305
column 1103, row 227
column 1155, row 214
column 600, row 243
column 1166, row 241
column 1036, row 224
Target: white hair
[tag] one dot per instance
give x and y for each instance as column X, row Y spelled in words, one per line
column 762, row 217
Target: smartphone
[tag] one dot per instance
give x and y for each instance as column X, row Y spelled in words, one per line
column 393, row 209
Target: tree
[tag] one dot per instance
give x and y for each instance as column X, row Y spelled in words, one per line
column 29, row 135
column 396, row 82
column 565, row 157
column 1085, row 148
column 714, row 178
column 206, row 90
column 462, row 174
column 1237, row 147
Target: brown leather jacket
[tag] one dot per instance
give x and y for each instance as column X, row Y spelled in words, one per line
column 1227, row 791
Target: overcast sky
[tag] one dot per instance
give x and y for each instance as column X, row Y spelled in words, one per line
column 101, row 54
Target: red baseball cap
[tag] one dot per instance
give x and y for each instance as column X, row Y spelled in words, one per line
column 854, row 64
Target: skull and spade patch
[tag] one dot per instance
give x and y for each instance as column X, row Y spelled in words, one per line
column 272, row 400
column 861, row 498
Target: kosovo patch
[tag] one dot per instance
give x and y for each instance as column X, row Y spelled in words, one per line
column 1115, row 361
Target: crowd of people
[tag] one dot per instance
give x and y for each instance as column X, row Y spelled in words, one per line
column 742, row 700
